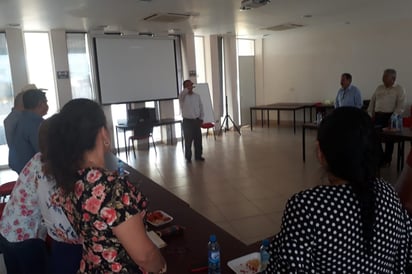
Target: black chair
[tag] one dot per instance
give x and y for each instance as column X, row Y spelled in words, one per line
column 143, row 129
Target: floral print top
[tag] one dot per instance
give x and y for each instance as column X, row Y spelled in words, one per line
column 100, row 201
column 32, row 210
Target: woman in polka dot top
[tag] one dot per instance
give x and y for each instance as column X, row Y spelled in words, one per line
column 354, row 224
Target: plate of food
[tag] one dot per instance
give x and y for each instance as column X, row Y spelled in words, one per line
column 158, row 218
column 248, row 264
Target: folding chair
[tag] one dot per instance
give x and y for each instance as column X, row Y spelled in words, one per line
column 207, row 126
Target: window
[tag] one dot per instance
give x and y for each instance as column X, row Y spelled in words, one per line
column 245, row 47
column 178, row 116
column 39, row 66
column 200, row 59
column 156, row 130
column 6, row 97
column 79, row 66
column 119, row 113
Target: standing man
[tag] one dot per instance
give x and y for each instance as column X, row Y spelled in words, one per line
column 10, row 122
column 192, row 112
column 25, row 142
column 388, row 99
column 349, row 95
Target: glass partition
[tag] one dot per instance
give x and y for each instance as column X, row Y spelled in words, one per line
column 6, row 97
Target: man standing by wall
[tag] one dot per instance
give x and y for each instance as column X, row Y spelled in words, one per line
column 349, row 95
column 192, row 112
column 25, row 142
column 388, row 99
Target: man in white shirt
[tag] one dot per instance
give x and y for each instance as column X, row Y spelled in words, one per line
column 192, row 112
column 388, row 99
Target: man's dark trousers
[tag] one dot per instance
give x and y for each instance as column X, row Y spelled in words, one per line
column 382, row 119
column 192, row 133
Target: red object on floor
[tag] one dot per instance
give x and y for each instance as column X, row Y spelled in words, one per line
column 6, row 189
column 207, row 126
column 2, row 206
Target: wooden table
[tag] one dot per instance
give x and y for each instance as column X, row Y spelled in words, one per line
column 190, row 248
column 161, row 122
column 312, row 126
column 399, row 137
column 288, row 107
column 279, row 107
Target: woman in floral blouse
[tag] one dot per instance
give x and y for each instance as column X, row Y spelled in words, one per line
column 106, row 210
column 30, row 214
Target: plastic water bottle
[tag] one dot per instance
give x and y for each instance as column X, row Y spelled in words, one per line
column 400, row 122
column 264, row 255
column 319, row 118
column 120, row 168
column 394, row 121
column 214, row 255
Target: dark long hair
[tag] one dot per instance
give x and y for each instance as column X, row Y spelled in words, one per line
column 350, row 145
column 70, row 135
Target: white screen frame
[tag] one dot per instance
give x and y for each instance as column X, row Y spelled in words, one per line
column 134, row 69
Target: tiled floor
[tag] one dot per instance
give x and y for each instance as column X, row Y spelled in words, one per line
column 245, row 181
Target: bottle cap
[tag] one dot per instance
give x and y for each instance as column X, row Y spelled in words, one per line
column 266, row 242
column 212, row 238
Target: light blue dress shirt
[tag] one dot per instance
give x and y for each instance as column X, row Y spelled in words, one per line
column 350, row 97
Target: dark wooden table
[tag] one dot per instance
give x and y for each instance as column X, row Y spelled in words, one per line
column 189, row 249
column 287, row 107
column 399, row 137
column 312, row 126
column 162, row 122
column 278, row 107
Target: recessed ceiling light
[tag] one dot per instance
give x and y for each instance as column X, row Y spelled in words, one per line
column 307, row 16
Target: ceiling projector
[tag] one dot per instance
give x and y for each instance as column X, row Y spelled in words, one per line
column 251, row 4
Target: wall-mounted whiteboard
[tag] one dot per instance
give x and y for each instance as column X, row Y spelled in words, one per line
column 203, row 91
column 132, row 69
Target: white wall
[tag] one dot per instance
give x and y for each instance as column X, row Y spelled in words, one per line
column 304, row 65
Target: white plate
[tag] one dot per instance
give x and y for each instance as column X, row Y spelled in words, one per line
column 166, row 218
column 239, row 265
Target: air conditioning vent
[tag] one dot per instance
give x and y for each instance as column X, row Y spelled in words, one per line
column 286, row 26
column 167, row 17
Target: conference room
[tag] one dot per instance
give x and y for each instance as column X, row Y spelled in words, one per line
column 135, row 55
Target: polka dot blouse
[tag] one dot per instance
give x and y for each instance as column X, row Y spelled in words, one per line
column 322, row 233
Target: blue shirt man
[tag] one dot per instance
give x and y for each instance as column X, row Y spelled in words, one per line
column 24, row 144
column 348, row 95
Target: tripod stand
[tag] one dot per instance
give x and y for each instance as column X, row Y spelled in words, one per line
column 226, row 121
